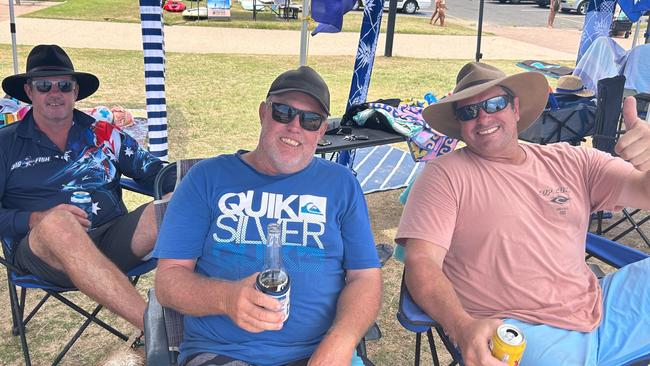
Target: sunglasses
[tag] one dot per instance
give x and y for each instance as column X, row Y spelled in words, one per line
column 492, row 105
column 310, row 121
column 44, row 86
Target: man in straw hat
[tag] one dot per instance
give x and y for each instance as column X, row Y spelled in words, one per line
column 57, row 150
column 495, row 231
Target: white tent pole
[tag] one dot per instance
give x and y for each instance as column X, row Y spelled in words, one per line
column 12, row 28
column 636, row 32
column 304, row 32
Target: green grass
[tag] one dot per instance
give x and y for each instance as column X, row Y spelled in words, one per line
column 128, row 11
column 212, row 107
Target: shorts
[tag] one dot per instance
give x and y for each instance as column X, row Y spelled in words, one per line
column 621, row 337
column 211, row 359
column 113, row 239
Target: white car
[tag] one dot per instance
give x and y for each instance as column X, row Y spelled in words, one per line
column 579, row 6
column 407, row 6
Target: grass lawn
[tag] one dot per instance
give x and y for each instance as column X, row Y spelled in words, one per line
column 212, row 107
column 128, row 11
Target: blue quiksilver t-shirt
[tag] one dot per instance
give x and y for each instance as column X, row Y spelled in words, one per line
column 218, row 215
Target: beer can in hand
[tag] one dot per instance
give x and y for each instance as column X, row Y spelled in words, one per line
column 508, row 344
column 83, row 200
column 275, row 283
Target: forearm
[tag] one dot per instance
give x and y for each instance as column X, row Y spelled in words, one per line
column 190, row 293
column 357, row 309
column 434, row 293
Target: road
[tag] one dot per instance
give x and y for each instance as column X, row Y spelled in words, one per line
column 525, row 14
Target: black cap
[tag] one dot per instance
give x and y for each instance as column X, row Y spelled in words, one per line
column 305, row 80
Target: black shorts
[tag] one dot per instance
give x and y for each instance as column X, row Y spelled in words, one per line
column 113, row 239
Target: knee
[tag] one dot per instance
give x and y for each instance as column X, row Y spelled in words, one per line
column 57, row 226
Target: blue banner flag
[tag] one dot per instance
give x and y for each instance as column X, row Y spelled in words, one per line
column 329, row 14
column 634, row 9
column 597, row 23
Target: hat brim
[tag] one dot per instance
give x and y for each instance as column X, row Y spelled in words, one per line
column 584, row 93
column 14, row 85
column 530, row 87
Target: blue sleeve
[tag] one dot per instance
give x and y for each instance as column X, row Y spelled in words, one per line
column 358, row 241
column 14, row 223
column 137, row 163
column 187, row 219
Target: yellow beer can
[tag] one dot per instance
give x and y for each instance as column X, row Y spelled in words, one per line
column 508, row 344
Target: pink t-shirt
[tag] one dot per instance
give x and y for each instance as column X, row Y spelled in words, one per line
column 515, row 234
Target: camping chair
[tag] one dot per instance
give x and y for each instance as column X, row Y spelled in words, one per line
column 163, row 331
column 416, row 320
column 607, row 130
column 17, row 278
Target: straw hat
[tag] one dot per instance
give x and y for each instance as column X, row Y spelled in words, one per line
column 49, row 60
column 474, row 78
column 572, row 84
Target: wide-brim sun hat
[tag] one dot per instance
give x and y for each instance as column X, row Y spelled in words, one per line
column 476, row 77
column 572, row 84
column 44, row 61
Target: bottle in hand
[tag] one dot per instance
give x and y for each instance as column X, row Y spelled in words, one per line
column 274, row 279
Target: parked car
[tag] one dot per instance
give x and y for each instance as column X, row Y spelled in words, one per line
column 408, row 6
column 515, row 1
column 579, row 6
column 543, row 3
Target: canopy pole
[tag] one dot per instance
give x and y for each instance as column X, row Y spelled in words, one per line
column 12, row 29
column 304, row 35
column 479, row 56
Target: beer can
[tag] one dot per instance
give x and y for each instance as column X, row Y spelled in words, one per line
column 275, row 283
column 508, row 344
column 83, row 200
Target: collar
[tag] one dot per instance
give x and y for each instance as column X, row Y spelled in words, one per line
column 27, row 127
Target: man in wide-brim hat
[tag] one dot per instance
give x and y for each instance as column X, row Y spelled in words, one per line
column 495, row 231
column 56, row 151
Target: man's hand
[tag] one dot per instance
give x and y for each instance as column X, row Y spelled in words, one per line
column 36, row 217
column 472, row 337
column 634, row 145
column 252, row 310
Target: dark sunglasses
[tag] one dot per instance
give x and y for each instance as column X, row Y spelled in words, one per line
column 492, row 105
column 44, row 86
column 310, row 121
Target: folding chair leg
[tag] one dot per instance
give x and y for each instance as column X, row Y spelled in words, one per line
column 19, row 327
column 432, row 345
column 418, row 340
column 76, row 336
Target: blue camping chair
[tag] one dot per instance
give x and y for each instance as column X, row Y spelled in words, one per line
column 18, row 279
column 417, row 321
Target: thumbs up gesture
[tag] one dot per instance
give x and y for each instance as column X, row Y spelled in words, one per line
column 634, row 145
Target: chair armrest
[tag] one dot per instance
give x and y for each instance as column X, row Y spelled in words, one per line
column 131, row 185
column 155, row 333
column 611, row 252
column 409, row 313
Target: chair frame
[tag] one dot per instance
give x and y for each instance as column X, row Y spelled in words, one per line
column 21, row 316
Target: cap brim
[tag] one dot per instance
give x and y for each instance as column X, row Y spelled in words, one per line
column 322, row 104
column 530, row 87
column 13, row 85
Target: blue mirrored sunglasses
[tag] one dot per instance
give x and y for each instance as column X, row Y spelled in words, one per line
column 492, row 105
